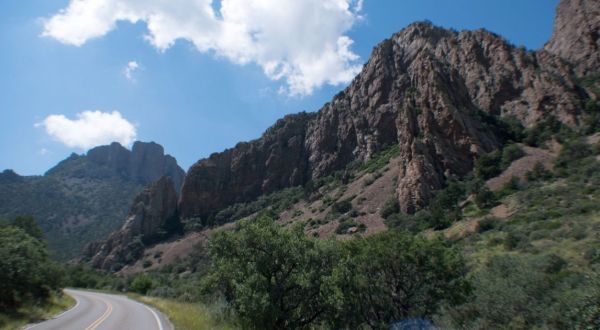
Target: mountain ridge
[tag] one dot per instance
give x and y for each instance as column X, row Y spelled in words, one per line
column 85, row 197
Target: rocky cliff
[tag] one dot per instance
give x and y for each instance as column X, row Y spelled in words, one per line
column 152, row 211
column 576, row 36
column 145, row 163
column 435, row 92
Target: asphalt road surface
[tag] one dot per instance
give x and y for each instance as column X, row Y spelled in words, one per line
column 101, row 311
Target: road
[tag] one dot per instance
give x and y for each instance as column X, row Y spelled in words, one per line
column 101, row 311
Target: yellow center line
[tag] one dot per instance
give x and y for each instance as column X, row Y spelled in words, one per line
column 103, row 317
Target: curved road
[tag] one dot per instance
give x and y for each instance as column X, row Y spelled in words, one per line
column 101, row 311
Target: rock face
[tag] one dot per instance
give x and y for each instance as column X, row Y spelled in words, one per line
column 576, row 35
column 151, row 211
column 145, row 163
column 427, row 89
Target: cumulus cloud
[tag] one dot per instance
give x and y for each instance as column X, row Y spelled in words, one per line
column 89, row 129
column 131, row 67
column 302, row 43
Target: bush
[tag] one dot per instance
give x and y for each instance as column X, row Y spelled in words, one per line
column 539, row 172
column 486, row 224
column 513, row 292
column 485, row 199
column 511, row 153
column 342, row 207
column 390, row 207
column 572, row 152
column 543, row 131
column 488, row 165
column 346, row 224
column 142, row 284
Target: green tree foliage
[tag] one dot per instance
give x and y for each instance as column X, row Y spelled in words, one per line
column 587, row 314
column 274, row 278
column 390, row 207
column 572, row 152
column 517, row 292
column 393, row 276
column 277, row 278
column 142, row 284
column 511, row 153
column 485, row 199
column 26, row 271
column 445, row 207
column 488, row 166
column 30, row 226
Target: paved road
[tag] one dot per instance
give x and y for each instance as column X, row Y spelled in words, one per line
column 101, row 311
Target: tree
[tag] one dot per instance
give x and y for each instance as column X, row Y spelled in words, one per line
column 393, row 276
column 27, row 272
column 273, row 277
column 30, row 226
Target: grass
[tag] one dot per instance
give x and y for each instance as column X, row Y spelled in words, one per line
column 31, row 313
column 186, row 315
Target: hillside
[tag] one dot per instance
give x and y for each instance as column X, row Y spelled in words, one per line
column 85, row 197
column 428, row 104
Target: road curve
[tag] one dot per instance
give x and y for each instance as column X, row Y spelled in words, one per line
column 101, row 311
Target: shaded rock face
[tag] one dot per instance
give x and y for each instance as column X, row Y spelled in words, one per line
column 425, row 89
column 576, row 35
column 145, row 163
column 150, row 211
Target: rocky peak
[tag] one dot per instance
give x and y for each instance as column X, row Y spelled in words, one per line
column 150, row 213
column 576, row 36
column 145, row 163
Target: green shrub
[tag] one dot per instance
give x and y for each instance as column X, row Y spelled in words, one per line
column 342, row 207
column 394, row 275
column 511, row 153
column 488, row 165
column 572, row 152
column 486, row 224
column 539, row 172
column 142, row 284
column 485, row 199
column 390, row 207
column 345, row 224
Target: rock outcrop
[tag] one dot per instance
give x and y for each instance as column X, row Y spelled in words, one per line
column 576, row 35
column 428, row 89
column 145, row 163
column 151, row 212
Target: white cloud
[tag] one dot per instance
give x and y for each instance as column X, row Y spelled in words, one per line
column 131, row 67
column 89, row 129
column 303, row 43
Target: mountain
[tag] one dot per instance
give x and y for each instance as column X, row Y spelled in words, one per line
column 438, row 94
column 429, row 104
column 85, row 197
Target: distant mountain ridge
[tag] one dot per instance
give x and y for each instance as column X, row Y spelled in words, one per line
column 85, row 197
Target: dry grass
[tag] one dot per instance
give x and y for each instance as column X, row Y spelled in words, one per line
column 189, row 316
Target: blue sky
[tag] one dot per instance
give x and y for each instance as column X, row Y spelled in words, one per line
column 194, row 102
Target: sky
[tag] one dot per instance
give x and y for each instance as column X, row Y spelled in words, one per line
column 198, row 76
